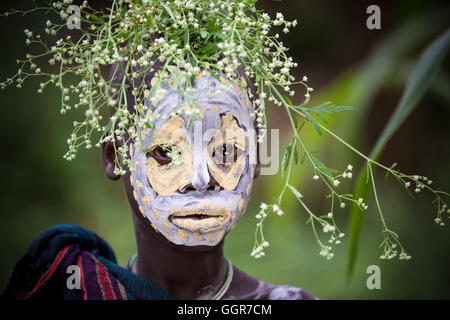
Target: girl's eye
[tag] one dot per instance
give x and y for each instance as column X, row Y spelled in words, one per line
column 226, row 154
column 161, row 154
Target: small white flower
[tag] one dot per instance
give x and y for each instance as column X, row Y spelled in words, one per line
column 139, row 47
column 336, row 182
column 342, row 204
column 305, row 78
column 275, row 207
column 349, row 175
column 330, row 215
column 350, row 167
column 316, row 177
column 280, row 212
column 263, row 206
column 407, row 184
column 417, row 190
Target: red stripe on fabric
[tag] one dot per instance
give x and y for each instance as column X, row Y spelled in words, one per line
column 104, row 281
column 50, row 271
column 80, row 265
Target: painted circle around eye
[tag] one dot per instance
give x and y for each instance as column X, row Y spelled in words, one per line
column 160, row 154
column 222, row 154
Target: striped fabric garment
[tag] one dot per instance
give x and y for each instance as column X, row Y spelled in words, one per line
column 44, row 270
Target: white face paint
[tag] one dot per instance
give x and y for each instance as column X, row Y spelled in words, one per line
column 181, row 201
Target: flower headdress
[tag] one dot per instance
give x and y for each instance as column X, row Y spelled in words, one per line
column 176, row 40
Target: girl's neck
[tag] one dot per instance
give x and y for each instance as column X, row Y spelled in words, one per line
column 185, row 272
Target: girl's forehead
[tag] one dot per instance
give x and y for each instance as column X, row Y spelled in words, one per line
column 209, row 97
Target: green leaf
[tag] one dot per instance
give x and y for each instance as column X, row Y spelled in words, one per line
column 295, row 154
column 284, row 162
column 295, row 192
column 314, row 122
column 302, row 160
column 288, row 100
column 420, row 80
column 95, row 18
column 169, row 11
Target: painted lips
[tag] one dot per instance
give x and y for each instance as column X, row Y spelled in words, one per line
column 203, row 218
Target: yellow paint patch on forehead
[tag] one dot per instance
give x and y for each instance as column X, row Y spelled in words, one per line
column 136, row 165
column 149, row 114
column 182, row 235
column 211, row 107
column 243, row 83
column 237, row 87
column 131, row 150
column 159, row 95
column 229, row 133
column 132, row 131
column 223, row 80
column 156, row 214
column 247, row 102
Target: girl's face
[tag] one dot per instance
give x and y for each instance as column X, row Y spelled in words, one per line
column 192, row 174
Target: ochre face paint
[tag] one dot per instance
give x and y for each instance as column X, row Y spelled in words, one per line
column 182, row 201
column 166, row 179
column 227, row 170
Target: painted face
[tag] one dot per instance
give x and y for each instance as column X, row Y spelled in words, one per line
column 194, row 184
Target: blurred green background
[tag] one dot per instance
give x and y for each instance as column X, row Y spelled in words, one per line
column 347, row 64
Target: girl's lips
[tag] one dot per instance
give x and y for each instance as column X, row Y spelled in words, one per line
column 202, row 218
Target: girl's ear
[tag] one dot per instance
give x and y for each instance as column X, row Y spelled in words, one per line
column 108, row 158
